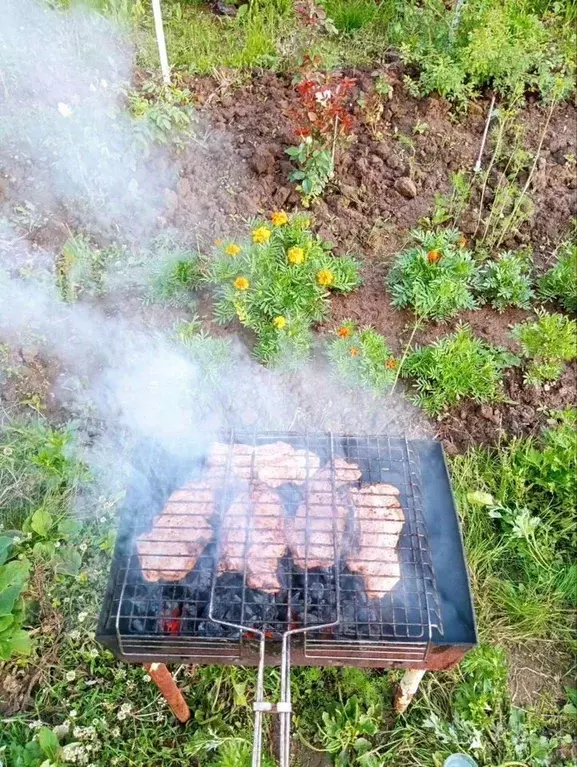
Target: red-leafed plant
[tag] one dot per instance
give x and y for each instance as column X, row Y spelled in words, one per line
column 322, row 118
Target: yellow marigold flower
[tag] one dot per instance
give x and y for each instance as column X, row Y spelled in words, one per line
column 325, row 278
column 241, row 283
column 279, row 217
column 296, row 255
column 462, row 241
column 218, row 243
column 433, row 256
column 261, row 235
column 391, row 364
column 354, row 352
column 344, row 332
column 279, row 322
column 232, row 249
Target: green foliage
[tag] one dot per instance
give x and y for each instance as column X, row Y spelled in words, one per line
column 435, row 277
column 163, row 115
column 315, row 169
column 506, row 281
column 361, row 357
column 560, row 282
column 177, row 272
column 347, row 731
column 80, row 269
column 517, row 503
column 279, row 287
column 351, row 15
column 454, row 368
column 505, row 45
column 211, row 355
column 13, row 581
column 547, row 344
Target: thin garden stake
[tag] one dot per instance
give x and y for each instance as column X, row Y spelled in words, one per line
column 161, row 41
column 477, row 167
column 456, row 16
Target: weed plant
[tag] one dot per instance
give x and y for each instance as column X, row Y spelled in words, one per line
column 163, row 115
column 362, row 357
column 81, row 269
column 455, row 368
column 177, row 272
column 506, row 281
column 434, row 277
column 560, row 282
column 279, row 284
column 546, row 344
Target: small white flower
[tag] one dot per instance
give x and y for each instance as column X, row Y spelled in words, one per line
column 70, row 676
column 102, row 520
column 115, row 732
column 93, row 653
column 91, row 682
column 64, row 109
column 35, row 725
column 82, row 617
column 73, row 714
column 57, row 544
column 74, row 635
column 83, row 547
column 146, row 678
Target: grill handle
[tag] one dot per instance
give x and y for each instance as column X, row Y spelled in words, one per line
column 283, row 708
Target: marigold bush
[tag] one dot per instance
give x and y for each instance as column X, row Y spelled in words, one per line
column 278, row 285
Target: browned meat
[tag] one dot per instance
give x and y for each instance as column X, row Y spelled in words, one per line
column 344, row 472
column 179, row 533
column 272, row 464
column 253, row 537
column 311, row 532
column 378, row 522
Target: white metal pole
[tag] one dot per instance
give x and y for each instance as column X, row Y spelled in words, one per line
column 161, row 41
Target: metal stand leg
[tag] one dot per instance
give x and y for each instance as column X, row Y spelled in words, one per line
column 407, row 688
column 164, row 680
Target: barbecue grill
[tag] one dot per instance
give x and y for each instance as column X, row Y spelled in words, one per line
column 319, row 615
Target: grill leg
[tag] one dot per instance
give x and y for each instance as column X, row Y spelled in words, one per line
column 164, row 680
column 407, row 688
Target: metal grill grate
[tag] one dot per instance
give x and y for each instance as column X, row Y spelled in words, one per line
column 240, row 503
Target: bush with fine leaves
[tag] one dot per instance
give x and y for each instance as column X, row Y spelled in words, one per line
column 279, row 284
column 454, row 368
column 362, row 357
column 560, row 282
column 547, row 344
column 435, row 276
column 506, row 281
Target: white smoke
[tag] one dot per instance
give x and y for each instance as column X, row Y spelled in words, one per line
column 70, row 148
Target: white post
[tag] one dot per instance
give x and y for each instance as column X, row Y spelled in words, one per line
column 161, row 41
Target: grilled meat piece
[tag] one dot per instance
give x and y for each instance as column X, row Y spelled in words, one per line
column 344, row 472
column 272, row 464
column 179, row 533
column 311, row 532
column 253, row 537
column 378, row 521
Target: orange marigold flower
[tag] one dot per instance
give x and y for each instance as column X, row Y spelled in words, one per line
column 261, row 235
column 433, row 256
column 325, row 278
column 296, row 255
column 462, row 241
column 392, row 364
column 241, row 283
column 279, row 322
column 279, row 217
column 344, row 332
column 232, row 249
column 354, row 352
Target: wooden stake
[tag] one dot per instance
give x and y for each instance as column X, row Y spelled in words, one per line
column 164, row 680
column 407, row 688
